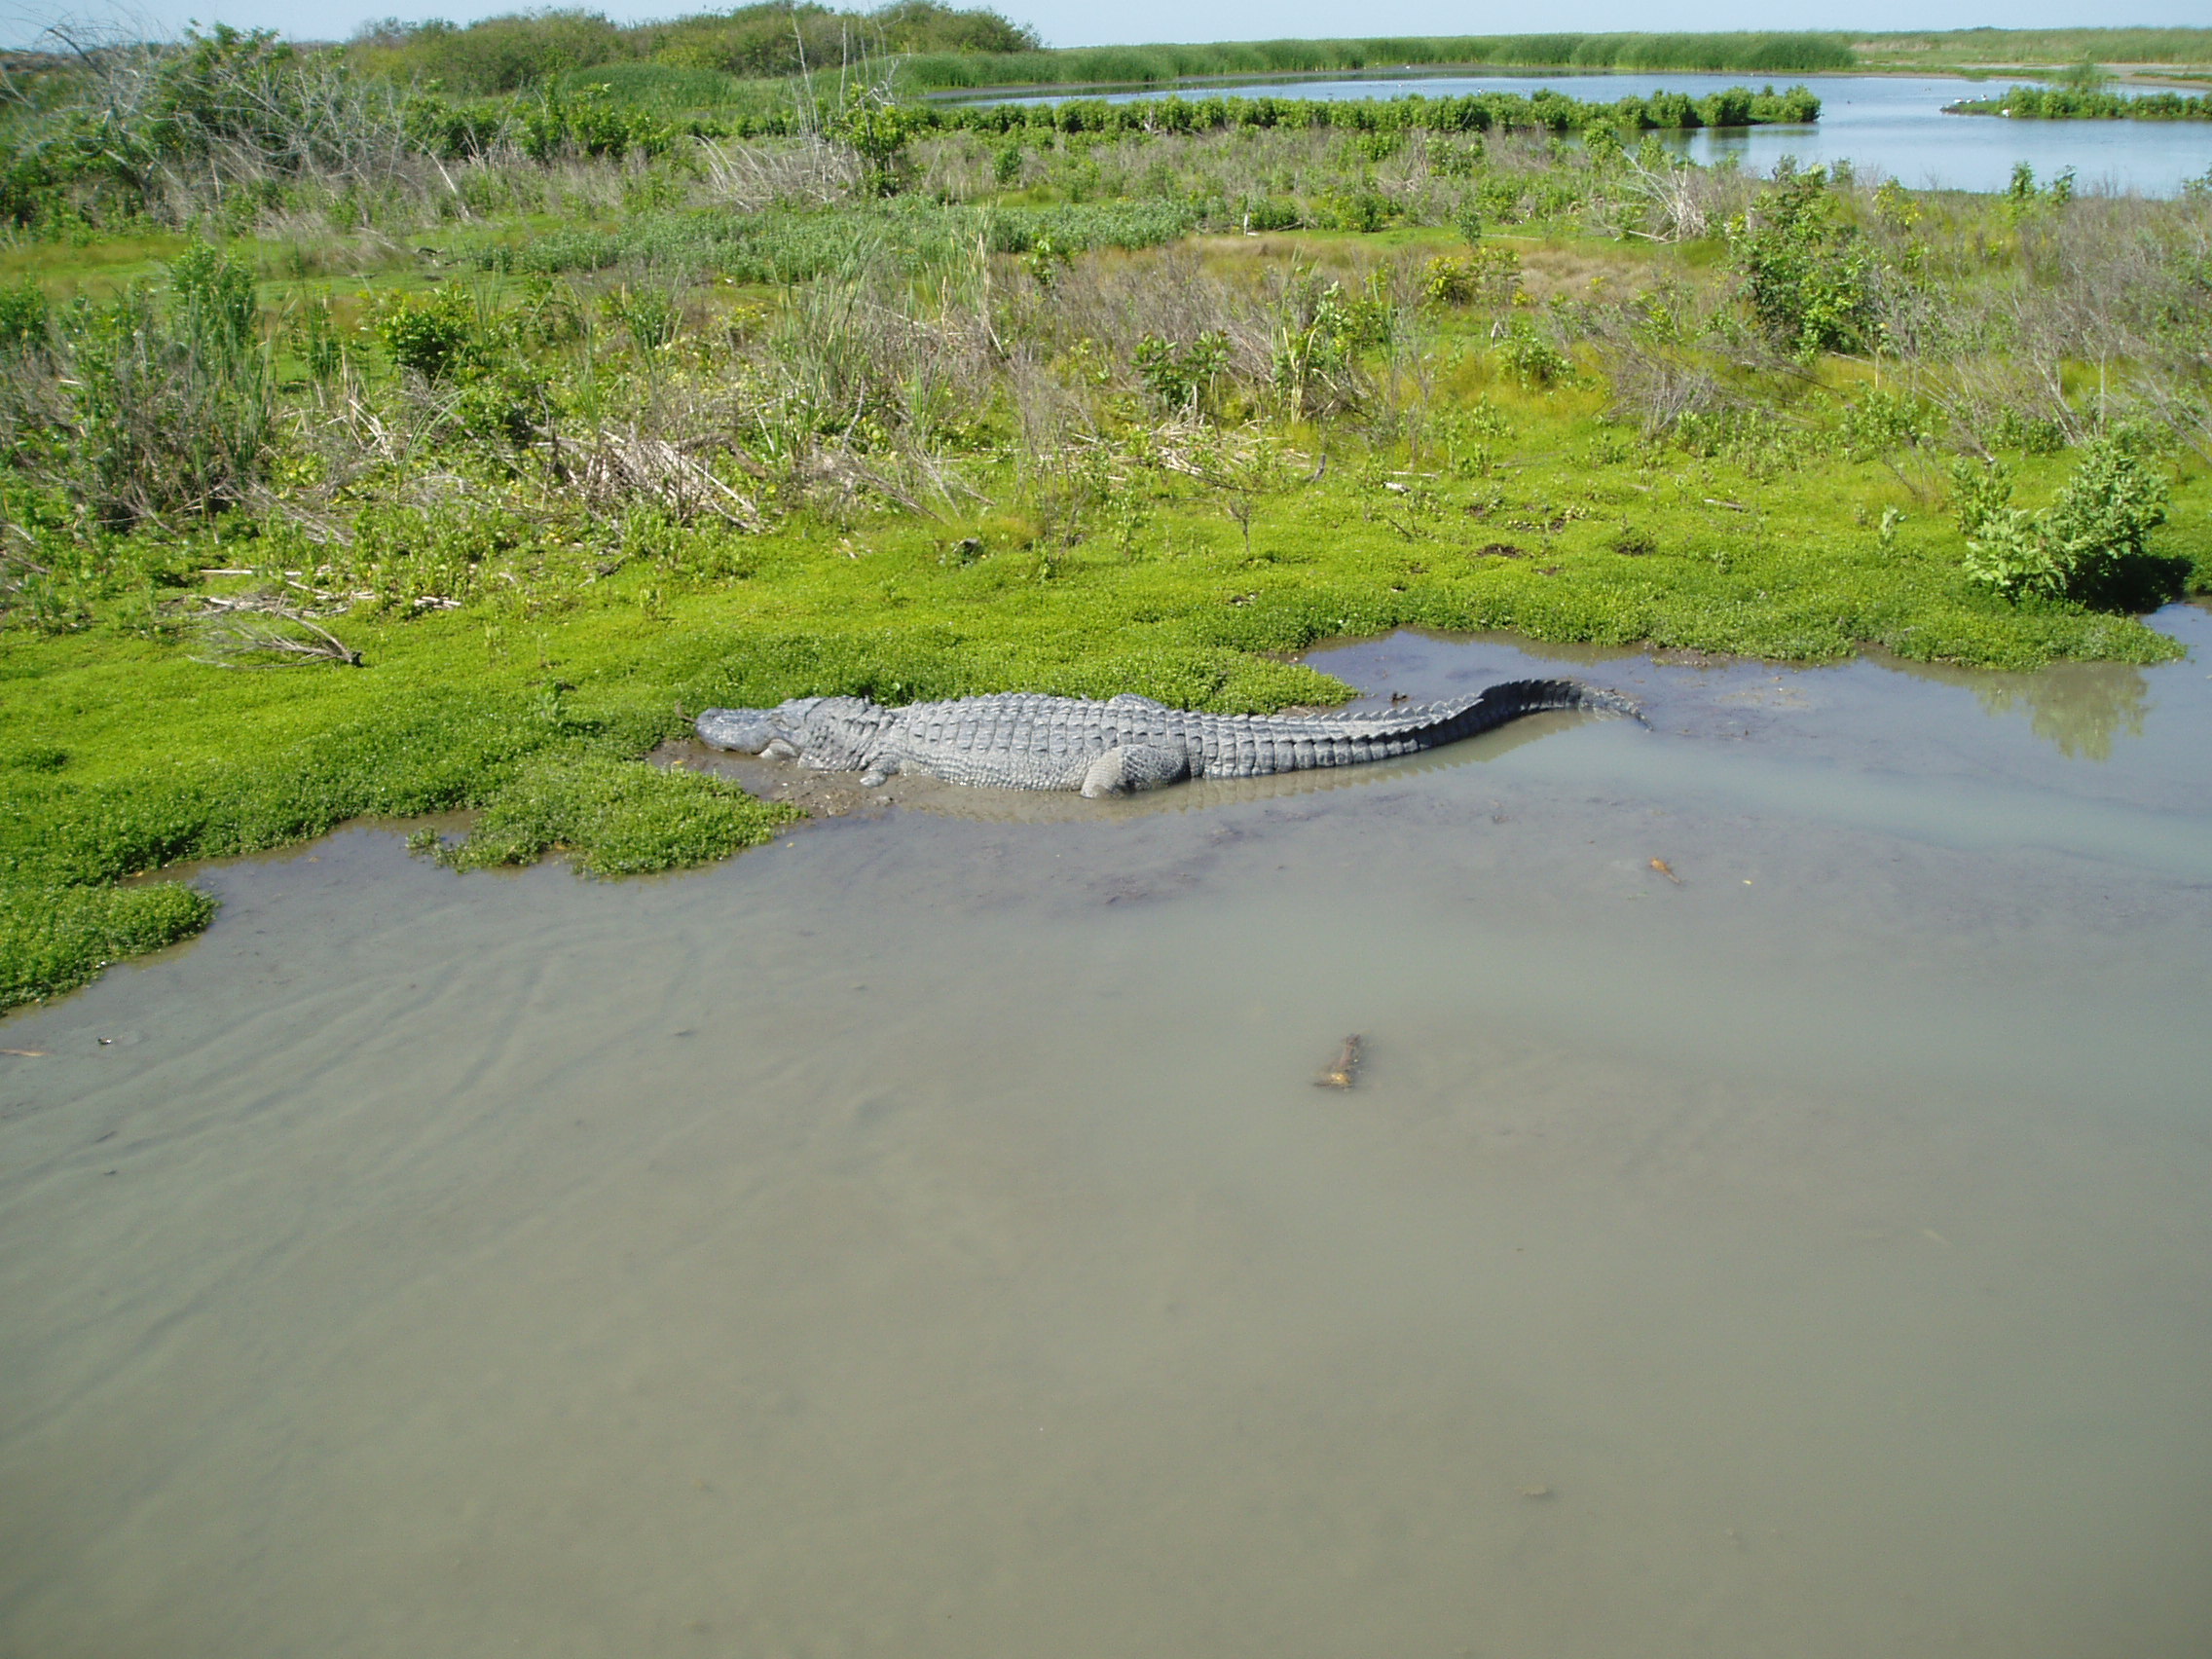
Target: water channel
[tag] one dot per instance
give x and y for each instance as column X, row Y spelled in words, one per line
column 1890, row 126
column 924, row 1235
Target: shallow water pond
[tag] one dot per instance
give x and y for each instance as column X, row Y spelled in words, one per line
column 924, row 1235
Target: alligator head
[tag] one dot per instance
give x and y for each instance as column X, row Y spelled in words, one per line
column 834, row 732
column 780, row 731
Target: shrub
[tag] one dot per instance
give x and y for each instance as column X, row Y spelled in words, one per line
column 1807, row 275
column 1179, row 375
column 2092, row 544
column 1531, row 358
column 434, row 335
column 1447, row 281
column 878, row 132
column 588, row 122
column 1882, row 422
column 1449, row 160
column 23, row 316
column 2030, row 434
column 1363, row 210
column 649, row 316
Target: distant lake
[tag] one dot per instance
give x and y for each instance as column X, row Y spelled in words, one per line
column 1892, row 125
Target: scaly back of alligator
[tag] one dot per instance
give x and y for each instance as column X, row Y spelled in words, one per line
column 1026, row 741
column 1029, row 741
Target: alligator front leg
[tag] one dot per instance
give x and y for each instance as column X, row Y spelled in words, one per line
column 1128, row 767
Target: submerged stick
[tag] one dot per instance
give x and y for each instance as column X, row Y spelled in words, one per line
column 1347, row 1069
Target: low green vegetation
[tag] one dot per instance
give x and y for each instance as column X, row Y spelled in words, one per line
column 939, row 48
column 1969, row 50
column 351, row 472
column 2088, row 104
column 1748, row 53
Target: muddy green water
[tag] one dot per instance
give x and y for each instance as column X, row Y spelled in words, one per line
column 924, row 1236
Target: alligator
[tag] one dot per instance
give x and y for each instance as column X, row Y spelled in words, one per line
column 1024, row 741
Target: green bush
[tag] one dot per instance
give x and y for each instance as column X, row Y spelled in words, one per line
column 1807, row 274
column 23, row 316
column 1445, row 281
column 588, row 122
column 878, row 131
column 436, row 335
column 1363, row 210
column 1531, row 358
column 1180, row 375
column 2090, row 545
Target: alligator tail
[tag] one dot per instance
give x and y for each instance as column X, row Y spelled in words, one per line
column 1514, row 698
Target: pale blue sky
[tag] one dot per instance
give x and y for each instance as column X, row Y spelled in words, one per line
column 1072, row 23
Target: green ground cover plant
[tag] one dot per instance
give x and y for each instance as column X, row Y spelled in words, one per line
column 460, row 482
column 2088, row 104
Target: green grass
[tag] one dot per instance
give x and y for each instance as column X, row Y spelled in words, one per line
column 790, row 246
column 2058, row 48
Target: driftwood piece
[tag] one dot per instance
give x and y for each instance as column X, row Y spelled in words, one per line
column 1345, row 1072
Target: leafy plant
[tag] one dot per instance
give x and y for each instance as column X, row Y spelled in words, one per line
column 649, row 316
column 1529, row 358
column 434, row 335
column 1807, row 274
column 23, row 315
column 1179, row 375
column 1450, row 160
column 56, row 938
column 1881, row 422
column 2090, row 545
column 1045, row 260
column 589, row 123
column 1363, row 209
column 878, row 131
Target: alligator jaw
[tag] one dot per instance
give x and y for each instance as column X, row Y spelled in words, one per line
column 742, row 731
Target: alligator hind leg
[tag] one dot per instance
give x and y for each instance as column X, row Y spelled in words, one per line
column 1128, row 767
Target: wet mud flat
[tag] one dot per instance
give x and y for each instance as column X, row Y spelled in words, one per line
column 924, row 1235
